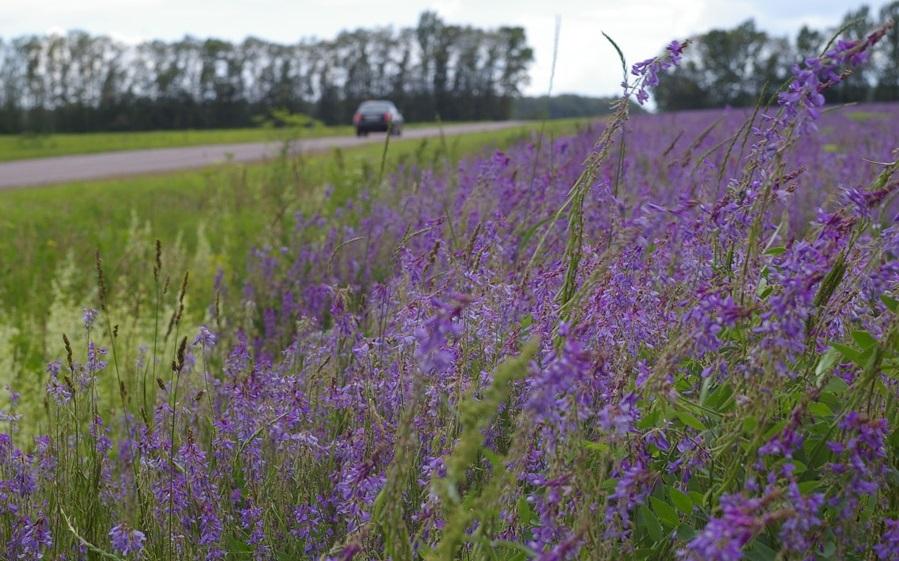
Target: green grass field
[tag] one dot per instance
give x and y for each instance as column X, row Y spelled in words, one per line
column 18, row 147
column 22, row 146
column 207, row 220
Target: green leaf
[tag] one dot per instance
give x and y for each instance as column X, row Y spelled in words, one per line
column 848, row 352
column 681, row 500
column 873, row 356
column 648, row 421
column 600, row 447
column 704, row 390
column 758, row 551
column 688, row 419
column 819, row 409
column 827, row 361
column 526, row 514
column 497, row 462
column 807, row 487
column 774, row 430
column 891, row 303
column 508, row 550
column 831, row 281
column 864, row 339
column 718, row 398
column 859, row 357
column 893, row 440
column 836, row 386
column 648, row 521
column 697, row 497
column 685, row 533
column 665, row 512
column 526, row 321
column 750, row 423
column 762, row 287
column 776, row 250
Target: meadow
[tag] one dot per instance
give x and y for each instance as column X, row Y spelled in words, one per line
column 664, row 337
column 208, row 220
column 39, row 145
column 46, row 145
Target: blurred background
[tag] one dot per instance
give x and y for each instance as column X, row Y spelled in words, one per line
column 128, row 65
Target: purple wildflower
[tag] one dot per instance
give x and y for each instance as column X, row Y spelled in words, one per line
column 649, row 69
column 888, row 547
column 89, row 317
column 724, row 536
column 861, row 457
column 205, row 338
column 125, row 540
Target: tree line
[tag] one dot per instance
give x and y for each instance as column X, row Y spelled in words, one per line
column 79, row 82
column 563, row 106
column 736, row 67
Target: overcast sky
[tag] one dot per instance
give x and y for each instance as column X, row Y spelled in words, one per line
column 586, row 63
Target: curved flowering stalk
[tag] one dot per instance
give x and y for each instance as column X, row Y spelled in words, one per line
column 800, row 105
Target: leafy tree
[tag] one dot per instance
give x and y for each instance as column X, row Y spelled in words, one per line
column 562, row 106
column 737, row 66
column 887, row 88
column 80, row 82
column 724, row 67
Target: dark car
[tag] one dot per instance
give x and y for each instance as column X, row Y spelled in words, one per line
column 378, row 116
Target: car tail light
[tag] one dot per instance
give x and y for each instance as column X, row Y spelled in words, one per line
column 356, row 118
column 388, row 117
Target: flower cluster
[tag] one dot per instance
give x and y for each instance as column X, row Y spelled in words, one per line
column 126, row 541
column 724, row 536
column 648, row 70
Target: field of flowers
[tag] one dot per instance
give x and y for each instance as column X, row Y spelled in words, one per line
column 666, row 337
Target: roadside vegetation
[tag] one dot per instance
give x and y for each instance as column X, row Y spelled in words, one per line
column 207, row 219
column 662, row 337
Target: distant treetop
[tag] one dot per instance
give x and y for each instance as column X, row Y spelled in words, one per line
column 734, row 67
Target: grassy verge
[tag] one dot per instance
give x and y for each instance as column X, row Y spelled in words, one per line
column 20, row 147
column 207, row 221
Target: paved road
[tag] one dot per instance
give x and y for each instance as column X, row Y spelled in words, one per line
column 44, row 171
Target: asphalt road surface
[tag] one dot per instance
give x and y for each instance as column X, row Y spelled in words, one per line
column 63, row 169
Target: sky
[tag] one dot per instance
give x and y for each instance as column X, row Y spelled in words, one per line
column 586, row 63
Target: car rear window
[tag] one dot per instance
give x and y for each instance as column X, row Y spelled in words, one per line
column 380, row 106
